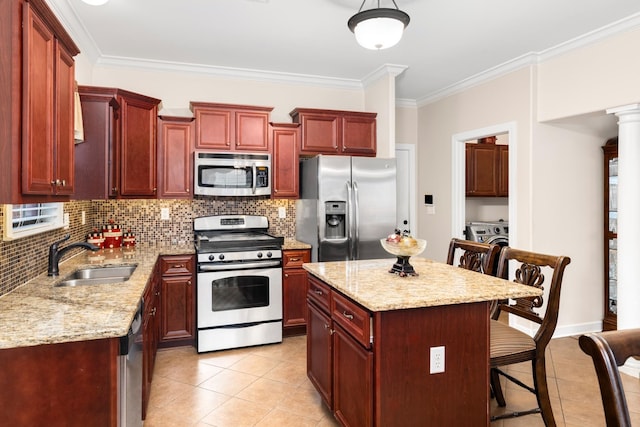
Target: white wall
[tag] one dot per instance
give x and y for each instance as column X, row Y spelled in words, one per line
column 380, row 97
column 593, row 78
column 500, row 101
column 567, row 210
column 559, row 167
column 406, row 125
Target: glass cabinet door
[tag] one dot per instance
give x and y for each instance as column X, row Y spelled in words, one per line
column 610, row 235
column 613, row 230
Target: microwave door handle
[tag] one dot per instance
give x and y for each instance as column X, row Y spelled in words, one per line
column 255, row 177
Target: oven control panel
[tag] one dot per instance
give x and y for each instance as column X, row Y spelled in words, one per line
column 255, row 255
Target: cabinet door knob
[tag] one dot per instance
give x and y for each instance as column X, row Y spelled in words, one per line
column 64, row 182
column 286, row 276
column 188, row 282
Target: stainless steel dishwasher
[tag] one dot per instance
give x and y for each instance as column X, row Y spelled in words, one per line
column 130, row 374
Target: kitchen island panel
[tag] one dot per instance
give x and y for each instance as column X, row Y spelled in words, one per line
column 406, row 393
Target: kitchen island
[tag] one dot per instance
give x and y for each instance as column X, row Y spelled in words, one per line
column 371, row 334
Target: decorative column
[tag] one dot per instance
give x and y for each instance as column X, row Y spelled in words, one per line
column 628, row 221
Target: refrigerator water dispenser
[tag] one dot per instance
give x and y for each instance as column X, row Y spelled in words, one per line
column 335, row 214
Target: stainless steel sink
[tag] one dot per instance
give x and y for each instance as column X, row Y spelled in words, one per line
column 99, row 275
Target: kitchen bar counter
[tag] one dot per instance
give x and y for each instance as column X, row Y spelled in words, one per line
column 371, row 336
column 40, row 313
column 369, row 283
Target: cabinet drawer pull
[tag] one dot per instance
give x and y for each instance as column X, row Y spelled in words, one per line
column 178, row 266
column 295, row 259
column 318, row 291
column 347, row 315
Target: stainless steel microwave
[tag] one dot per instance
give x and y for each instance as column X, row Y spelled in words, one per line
column 232, row 174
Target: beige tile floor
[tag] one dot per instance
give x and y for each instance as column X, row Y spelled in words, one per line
column 267, row 386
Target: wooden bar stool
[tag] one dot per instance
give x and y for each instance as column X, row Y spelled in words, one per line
column 475, row 256
column 509, row 345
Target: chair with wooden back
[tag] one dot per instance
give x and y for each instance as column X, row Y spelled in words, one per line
column 608, row 351
column 509, row 345
column 475, row 256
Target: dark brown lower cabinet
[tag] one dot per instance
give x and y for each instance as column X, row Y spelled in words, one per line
column 68, row 384
column 149, row 335
column 353, row 380
column 294, row 291
column 319, row 352
column 177, row 321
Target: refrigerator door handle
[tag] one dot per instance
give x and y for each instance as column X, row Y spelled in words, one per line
column 349, row 224
column 356, row 221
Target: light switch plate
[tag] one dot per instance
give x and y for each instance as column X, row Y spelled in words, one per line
column 282, row 212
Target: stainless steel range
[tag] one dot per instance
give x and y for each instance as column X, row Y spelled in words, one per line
column 239, row 282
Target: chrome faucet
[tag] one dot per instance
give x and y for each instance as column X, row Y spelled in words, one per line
column 55, row 253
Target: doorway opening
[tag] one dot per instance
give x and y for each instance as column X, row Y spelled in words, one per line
column 458, row 196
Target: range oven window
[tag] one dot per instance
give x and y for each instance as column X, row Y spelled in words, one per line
column 233, row 293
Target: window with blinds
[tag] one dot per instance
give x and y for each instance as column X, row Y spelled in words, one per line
column 32, row 218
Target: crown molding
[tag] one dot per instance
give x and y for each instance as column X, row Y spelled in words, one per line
column 231, row 72
column 628, row 23
column 69, row 19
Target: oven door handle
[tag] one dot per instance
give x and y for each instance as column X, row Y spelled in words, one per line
column 236, row 266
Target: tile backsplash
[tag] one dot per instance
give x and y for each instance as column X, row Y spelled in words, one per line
column 143, row 217
column 23, row 259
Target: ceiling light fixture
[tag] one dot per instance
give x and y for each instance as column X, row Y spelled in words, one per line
column 95, row 2
column 378, row 28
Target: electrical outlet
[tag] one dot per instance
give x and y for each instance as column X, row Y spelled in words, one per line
column 282, row 212
column 436, row 360
column 83, row 221
column 65, row 220
column 164, row 214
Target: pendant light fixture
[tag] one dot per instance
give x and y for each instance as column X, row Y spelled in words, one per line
column 378, row 28
column 95, row 2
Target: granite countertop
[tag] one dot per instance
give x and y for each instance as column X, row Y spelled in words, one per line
column 40, row 313
column 290, row 244
column 369, row 283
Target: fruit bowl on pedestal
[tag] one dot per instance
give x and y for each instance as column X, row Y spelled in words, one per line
column 404, row 248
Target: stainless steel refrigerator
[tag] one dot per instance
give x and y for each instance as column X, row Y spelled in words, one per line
column 347, row 204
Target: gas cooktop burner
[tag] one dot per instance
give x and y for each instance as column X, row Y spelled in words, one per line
column 233, row 233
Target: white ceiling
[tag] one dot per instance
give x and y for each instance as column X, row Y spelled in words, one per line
column 446, row 42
